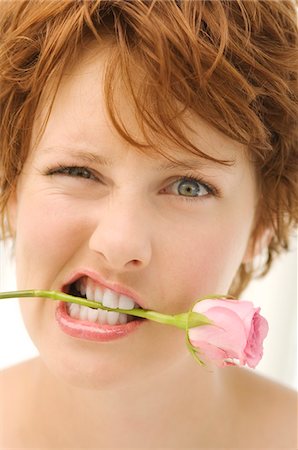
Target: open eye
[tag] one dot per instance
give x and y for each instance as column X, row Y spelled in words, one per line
column 191, row 187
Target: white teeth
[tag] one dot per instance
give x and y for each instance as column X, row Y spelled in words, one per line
column 112, row 317
column 84, row 312
column 90, row 291
column 110, row 299
column 126, row 302
column 107, row 297
column 92, row 315
column 122, row 318
column 98, row 294
column 102, row 316
column 74, row 310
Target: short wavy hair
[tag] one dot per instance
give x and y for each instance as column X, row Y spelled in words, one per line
column 232, row 62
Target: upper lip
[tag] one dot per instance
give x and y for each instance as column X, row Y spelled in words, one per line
column 100, row 281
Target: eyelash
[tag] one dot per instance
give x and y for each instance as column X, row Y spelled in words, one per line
column 212, row 190
column 68, row 170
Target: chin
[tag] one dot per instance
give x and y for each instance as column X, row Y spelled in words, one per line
column 104, row 369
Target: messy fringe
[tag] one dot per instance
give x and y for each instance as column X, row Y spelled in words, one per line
column 231, row 62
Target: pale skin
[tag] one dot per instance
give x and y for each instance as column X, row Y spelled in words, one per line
column 132, row 223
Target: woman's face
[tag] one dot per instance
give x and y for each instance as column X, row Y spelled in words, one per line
column 89, row 206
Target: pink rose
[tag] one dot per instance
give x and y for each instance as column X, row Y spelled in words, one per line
column 237, row 332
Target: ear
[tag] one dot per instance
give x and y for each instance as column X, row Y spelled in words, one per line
column 258, row 242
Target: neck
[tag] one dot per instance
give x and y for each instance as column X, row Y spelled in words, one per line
column 126, row 411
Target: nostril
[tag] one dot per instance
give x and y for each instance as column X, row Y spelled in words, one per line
column 136, row 262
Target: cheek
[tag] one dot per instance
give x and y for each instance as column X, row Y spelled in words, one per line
column 46, row 236
column 207, row 261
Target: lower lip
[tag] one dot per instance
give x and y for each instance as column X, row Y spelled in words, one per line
column 92, row 331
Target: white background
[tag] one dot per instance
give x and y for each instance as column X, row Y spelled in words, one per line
column 276, row 294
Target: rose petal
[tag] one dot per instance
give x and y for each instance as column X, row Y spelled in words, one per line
column 237, row 332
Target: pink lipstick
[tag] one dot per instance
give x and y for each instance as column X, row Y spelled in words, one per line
column 92, row 331
column 92, row 324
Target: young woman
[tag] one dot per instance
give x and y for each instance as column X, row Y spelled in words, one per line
column 147, row 156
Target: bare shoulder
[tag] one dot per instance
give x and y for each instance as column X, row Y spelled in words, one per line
column 10, row 377
column 265, row 411
column 14, row 397
column 15, row 382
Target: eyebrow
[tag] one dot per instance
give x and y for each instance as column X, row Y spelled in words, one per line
column 94, row 158
column 84, row 155
column 197, row 163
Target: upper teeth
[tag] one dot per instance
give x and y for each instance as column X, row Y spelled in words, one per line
column 107, row 297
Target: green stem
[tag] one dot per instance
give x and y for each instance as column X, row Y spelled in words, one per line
column 183, row 321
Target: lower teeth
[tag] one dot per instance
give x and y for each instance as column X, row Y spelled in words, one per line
column 97, row 315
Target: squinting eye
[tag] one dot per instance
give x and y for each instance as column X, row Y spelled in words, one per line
column 190, row 187
column 72, row 171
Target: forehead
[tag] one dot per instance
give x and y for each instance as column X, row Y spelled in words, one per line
column 78, row 114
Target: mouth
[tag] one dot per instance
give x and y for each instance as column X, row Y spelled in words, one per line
column 94, row 324
column 85, row 287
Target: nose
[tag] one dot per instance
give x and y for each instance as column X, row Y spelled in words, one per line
column 122, row 236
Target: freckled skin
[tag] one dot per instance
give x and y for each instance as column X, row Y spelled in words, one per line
column 130, row 223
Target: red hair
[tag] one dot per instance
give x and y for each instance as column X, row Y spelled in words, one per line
column 232, row 62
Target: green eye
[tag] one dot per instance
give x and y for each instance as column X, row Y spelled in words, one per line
column 192, row 188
